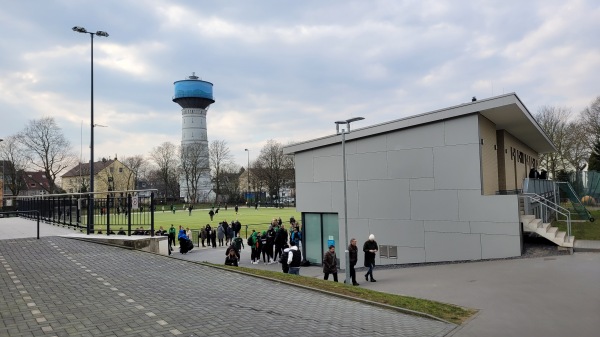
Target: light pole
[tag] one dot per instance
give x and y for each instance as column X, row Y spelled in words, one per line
column 343, row 133
column 248, row 169
column 90, row 227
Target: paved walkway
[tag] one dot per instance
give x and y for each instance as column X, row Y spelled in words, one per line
column 546, row 296
column 63, row 287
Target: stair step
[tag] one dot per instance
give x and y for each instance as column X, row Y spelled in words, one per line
column 551, row 230
column 560, row 235
column 544, row 225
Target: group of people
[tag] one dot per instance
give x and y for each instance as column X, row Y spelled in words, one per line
column 272, row 242
column 224, row 233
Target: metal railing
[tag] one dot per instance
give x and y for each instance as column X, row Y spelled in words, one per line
column 114, row 211
column 545, row 209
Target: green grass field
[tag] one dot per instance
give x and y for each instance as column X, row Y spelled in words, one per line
column 255, row 219
column 583, row 230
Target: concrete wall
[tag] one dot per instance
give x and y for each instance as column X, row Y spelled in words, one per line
column 489, row 156
column 419, row 189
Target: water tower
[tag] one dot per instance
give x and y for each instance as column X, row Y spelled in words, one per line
column 195, row 96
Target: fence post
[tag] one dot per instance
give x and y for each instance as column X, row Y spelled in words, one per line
column 38, row 225
column 108, row 214
column 152, row 214
column 90, row 213
column 128, row 214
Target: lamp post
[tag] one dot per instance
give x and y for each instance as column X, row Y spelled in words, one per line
column 248, row 169
column 343, row 133
column 90, row 227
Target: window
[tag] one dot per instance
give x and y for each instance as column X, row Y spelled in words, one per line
column 112, row 170
column 32, row 184
column 120, row 170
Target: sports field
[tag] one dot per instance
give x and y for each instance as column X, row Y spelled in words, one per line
column 258, row 219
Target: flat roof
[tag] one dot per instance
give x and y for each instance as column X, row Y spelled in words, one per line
column 506, row 111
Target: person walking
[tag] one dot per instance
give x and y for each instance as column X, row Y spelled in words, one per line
column 283, row 258
column 236, row 209
column 330, row 264
column 370, row 248
column 203, row 236
column 353, row 254
column 238, row 245
column 213, row 238
column 294, row 259
column 171, row 239
column 211, row 213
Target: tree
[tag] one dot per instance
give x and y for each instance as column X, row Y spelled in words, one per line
column 193, row 166
column 219, row 157
column 47, row 149
column 230, row 187
column 576, row 145
column 14, row 163
column 273, row 167
column 138, row 165
column 591, row 120
column 554, row 121
column 165, row 157
column 594, row 162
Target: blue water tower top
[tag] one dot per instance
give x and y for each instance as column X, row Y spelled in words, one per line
column 193, row 93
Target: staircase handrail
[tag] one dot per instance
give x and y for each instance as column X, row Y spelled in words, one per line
column 587, row 213
column 547, row 204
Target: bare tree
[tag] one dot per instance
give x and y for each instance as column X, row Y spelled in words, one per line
column 165, row 157
column 47, row 149
column 273, row 167
column 193, row 166
column 591, row 120
column 577, row 148
column 137, row 165
column 230, row 186
column 14, row 163
column 219, row 157
column 554, row 121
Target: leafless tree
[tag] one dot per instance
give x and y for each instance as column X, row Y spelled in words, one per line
column 219, row 158
column 273, row 167
column 137, row 165
column 577, row 145
column 230, row 186
column 14, row 163
column 591, row 120
column 193, row 165
column 166, row 159
column 47, row 149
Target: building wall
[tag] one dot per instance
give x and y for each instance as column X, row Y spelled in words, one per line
column 419, row 189
column 489, row 156
column 516, row 158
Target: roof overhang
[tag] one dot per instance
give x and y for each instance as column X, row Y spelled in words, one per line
column 507, row 112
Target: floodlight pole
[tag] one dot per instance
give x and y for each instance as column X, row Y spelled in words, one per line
column 90, row 226
column 248, row 182
column 345, row 179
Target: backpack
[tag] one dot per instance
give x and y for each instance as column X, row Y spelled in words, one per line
column 296, row 258
column 249, row 241
column 284, row 257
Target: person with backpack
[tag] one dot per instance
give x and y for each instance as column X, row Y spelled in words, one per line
column 252, row 242
column 238, row 245
column 283, row 258
column 171, row 239
column 264, row 248
column 294, row 259
column 280, row 240
column 270, row 244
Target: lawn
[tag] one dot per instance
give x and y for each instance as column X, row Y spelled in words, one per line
column 583, row 230
column 249, row 218
column 448, row 312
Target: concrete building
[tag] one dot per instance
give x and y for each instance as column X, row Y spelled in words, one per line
column 438, row 186
column 195, row 97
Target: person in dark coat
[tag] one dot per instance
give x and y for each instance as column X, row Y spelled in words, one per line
column 231, row 259
column 330, row 264
column 370, row 248
column 211, row 213
column 213, row 238
column 353, row 254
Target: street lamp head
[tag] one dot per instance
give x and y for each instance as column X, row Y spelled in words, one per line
column 79, row 29
column 246, row 150
column 101, row 33
column 355, row 119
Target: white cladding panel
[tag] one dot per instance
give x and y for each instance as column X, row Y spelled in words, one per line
column 313, row 197
column 457, row 167
column 434, row 205
column 464, row 130
column 366, row 166
column 406, row 233
column 413, row 163
column 492, row 208
column 500, row 246
column 384, row 199
column 415, row 138
column 304, row 166
column 452, row 246
column 447, row 226
column 328, row 168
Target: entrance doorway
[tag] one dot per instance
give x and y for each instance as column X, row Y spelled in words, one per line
column 319, row 229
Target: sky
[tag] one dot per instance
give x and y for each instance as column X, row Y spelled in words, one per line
column 283, row 70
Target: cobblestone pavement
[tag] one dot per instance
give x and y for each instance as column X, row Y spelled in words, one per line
column 63, row 287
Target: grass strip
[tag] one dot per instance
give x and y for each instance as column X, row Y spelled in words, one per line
column 447, row 312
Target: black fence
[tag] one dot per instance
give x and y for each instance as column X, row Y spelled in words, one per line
column 116, row 213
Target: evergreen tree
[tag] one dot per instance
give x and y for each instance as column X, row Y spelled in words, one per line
column 594, row 161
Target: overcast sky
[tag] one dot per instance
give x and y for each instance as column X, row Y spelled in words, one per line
column 284, row 70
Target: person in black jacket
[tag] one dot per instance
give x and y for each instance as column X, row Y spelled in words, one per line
column 353, row 254
column 231, row 259
column 370, row 248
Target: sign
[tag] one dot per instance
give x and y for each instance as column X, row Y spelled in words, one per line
column 135, row 202
column 330, row 241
